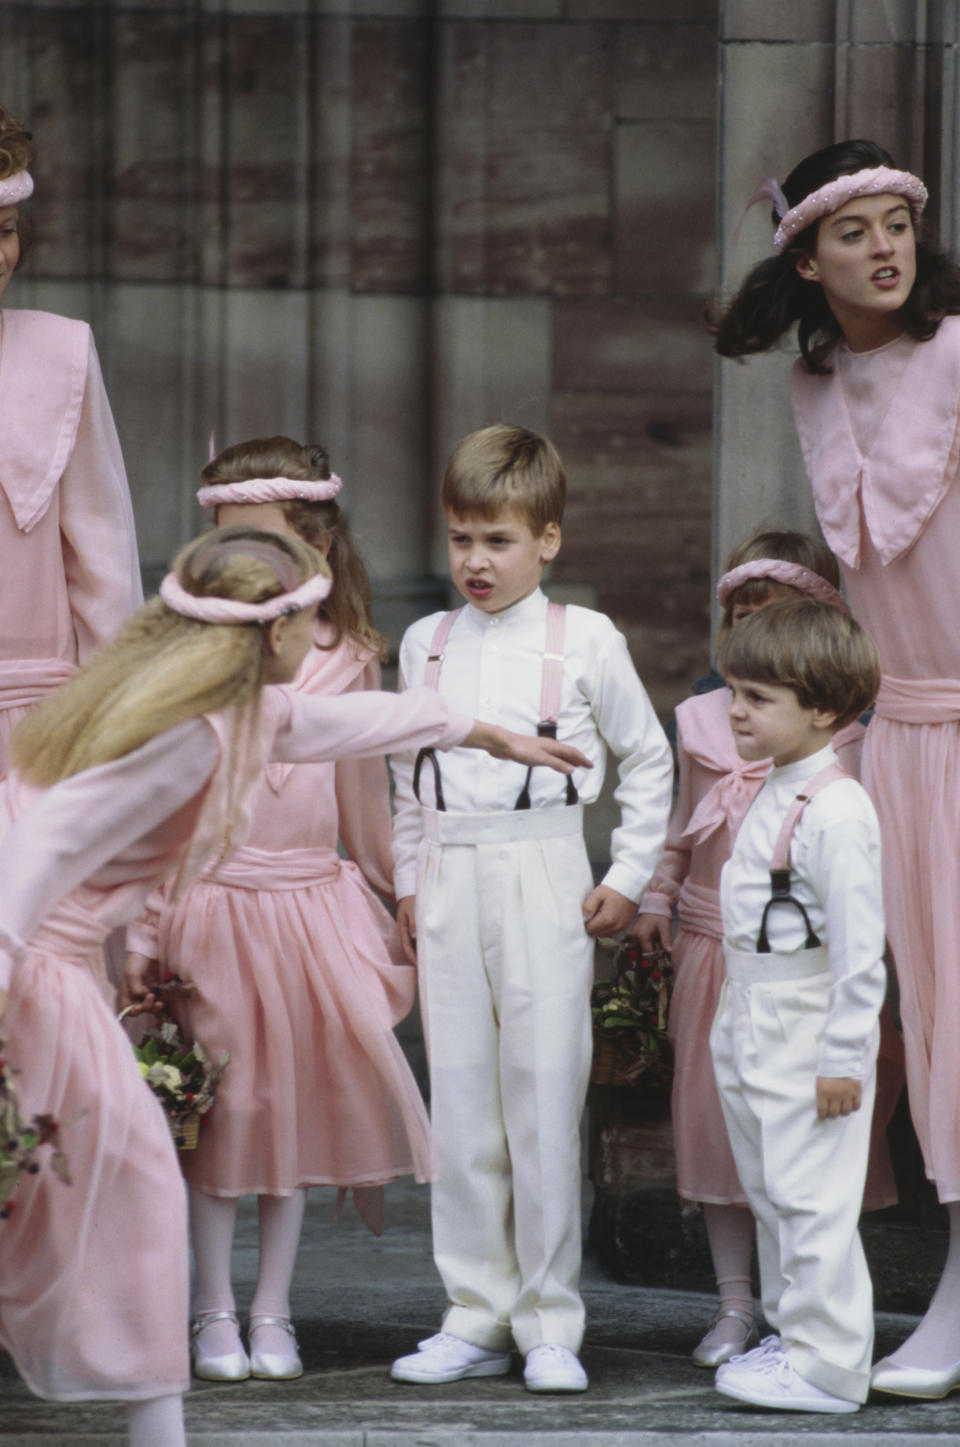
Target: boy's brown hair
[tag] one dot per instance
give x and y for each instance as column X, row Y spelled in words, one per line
column 505, row 466
column 818, row 652
column 788, row 547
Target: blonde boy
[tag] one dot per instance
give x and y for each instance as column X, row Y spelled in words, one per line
column 498, row 908
column 794, row 1042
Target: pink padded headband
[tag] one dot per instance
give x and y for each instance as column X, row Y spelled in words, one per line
column 874, row 181
column 790, row 574
column 16, row 188
column 269, row 489
column 212, row 609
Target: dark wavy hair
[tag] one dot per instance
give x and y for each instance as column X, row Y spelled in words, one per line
column 774, row 296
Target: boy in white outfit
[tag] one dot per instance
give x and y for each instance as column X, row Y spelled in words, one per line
column 498, row 908
column 794, row 1043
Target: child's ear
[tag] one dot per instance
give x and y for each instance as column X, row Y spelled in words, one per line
column 273, row 635
column 807, row 267
column 550, row 542
column 824, row 719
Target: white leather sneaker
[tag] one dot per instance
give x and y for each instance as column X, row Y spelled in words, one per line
column 772, row 1382
column 447, row 1358
column 553, row 1368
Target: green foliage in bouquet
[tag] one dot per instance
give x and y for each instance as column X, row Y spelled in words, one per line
column 630, row 1019
column 21, row 1142
column 182, row 1077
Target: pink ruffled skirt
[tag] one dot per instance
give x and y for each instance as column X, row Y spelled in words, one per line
column 94, row 1275
column 303, row 986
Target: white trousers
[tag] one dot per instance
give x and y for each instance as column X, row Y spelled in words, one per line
column 803, row 1177
column 505, row 970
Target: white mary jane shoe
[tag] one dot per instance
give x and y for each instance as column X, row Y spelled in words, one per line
column 274, row 1366
column 228, row 1367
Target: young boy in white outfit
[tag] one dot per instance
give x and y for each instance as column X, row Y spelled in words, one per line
column 794, row 1043
column 498, row 908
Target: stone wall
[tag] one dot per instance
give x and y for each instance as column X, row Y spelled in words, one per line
column 380, row 224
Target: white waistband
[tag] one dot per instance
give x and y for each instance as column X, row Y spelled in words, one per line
column 503, row 827
column 747, row 968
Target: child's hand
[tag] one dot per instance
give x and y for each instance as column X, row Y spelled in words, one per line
column 605, row 912
column 139, row 982
column 652, row 932
column 525, row 748
column 837, row 1095
column 407, row 925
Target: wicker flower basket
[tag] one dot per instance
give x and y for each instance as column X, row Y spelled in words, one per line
column 179, row 1073
column 629, row 1009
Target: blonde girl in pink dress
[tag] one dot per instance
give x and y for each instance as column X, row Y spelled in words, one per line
column 716, row 787
column 141, row 767
column 877, row 402
column 297, row 965
column 69, row 572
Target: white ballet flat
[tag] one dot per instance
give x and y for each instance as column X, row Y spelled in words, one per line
column 274, row 1366
column 714, row 1354
column 230, row 1366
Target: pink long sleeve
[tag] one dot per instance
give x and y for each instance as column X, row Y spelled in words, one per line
column 364, row 724
column 363, row 805
column 674, row 862
column 96, row 524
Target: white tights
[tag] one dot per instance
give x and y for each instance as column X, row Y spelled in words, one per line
column 156, row 1423
column 212, row 1224
column 936, row 1341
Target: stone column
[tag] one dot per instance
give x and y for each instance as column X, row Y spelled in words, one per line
column 793, row 78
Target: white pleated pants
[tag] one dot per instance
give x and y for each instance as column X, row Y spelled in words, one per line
column 505, row 971
column 803, row 1177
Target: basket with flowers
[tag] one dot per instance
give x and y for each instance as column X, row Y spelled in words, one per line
column 629, row 1009
column 179, row 1072
column 21, row 1142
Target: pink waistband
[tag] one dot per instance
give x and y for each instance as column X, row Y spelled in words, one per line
column 25, row 680
column 699, row 910
column 251, row 868
column 919, row 700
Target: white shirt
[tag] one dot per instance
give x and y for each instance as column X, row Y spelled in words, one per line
column 835, row 873
column 492, row 668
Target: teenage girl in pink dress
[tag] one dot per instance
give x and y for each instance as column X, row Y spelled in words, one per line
column 715, row 790
column 141, row 767
column 297, row 965
column 876, row 400
column 69, row 573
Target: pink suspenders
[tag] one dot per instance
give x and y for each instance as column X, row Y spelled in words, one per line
column 551, row 694
column 780, row 863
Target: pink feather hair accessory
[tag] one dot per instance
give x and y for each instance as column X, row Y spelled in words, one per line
column 874, row 181
column 792, row 575
column 16, row 188
column 269, row 489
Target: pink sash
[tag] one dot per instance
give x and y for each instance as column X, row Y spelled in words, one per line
column 919, row 700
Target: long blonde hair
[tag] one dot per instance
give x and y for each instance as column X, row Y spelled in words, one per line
column 321, row 524
column 161, row 668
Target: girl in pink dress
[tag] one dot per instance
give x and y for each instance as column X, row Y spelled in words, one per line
column 715, row 790
column 69, row 573
column 298, row 966
column 141, row 767
column 876, row 400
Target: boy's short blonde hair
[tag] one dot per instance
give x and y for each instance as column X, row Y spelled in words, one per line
column 819, row 653
column 504, row 466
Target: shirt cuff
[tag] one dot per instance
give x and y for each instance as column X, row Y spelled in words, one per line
column 653, row 903
column 457, row 728
column 620, row 878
